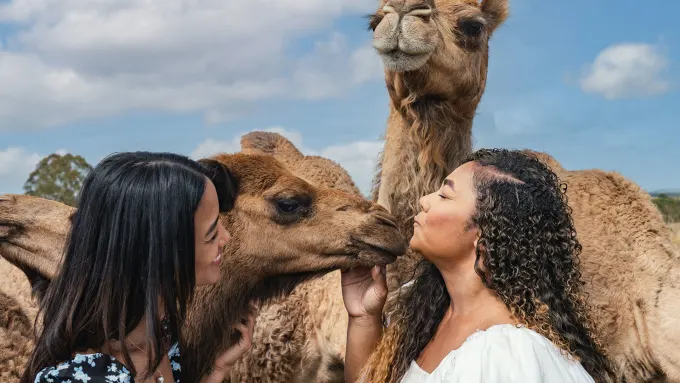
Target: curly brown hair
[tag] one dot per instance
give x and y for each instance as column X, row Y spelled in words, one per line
column 527, row 253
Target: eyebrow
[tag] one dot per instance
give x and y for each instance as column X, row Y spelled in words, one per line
column 212, row 227
column 449, row 183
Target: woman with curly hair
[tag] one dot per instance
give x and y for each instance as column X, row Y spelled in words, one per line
column 498, row 297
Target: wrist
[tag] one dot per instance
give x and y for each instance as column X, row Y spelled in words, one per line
column 217, row 375
column 366, row 320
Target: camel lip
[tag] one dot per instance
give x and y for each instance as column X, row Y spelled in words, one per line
column 377, row 254
column 399, row 61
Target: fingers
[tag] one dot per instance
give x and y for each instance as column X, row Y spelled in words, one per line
column 246, row 326
column 378, row 273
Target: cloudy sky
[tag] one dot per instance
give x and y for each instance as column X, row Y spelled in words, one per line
column 593, row 83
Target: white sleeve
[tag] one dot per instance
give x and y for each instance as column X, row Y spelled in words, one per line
column 511, row 355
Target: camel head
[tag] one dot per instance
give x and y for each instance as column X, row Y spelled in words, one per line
column 280, row 225
column 283, row 225
column 32, row 235
column 439, row 44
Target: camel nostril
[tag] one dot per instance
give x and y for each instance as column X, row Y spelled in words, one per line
column 386, row 221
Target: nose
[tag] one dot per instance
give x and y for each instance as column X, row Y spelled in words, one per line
column 225, row 236
column 425, row 203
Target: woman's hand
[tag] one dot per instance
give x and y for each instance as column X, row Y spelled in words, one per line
column 226, row 360
column 364, row 291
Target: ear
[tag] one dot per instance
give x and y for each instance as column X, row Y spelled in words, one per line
column 269, row 143
column 495, row 12
column 224, row 180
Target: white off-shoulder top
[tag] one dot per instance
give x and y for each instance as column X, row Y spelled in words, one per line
column 503, row 354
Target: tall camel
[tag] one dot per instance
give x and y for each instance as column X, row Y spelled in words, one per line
column 284, row 231
column 435, row 55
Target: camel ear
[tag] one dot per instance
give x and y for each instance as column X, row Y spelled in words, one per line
column 495, row 12
column 224, row 180
column 269, row 143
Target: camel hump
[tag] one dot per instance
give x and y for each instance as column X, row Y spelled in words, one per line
column 269, row 143
column 546, row 158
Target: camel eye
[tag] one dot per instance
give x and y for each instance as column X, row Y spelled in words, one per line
column 471, row 28
column 288, row 206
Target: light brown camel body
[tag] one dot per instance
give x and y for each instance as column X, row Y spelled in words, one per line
column 436, row 55
column 272, row 251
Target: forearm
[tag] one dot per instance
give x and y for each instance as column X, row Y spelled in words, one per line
column 363, row 334
column 216, row 376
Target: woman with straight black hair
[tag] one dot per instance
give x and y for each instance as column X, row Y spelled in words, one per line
column 146, row 232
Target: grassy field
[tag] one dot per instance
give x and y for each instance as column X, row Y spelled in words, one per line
column 669, row 207
column 676, row 233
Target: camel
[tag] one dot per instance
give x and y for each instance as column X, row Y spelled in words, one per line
column 299, row 232
column 435, row 55
column 315, row 337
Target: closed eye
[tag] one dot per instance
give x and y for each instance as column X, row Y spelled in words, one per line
column 214, row 237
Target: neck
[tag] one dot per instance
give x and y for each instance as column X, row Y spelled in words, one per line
column 465, row 288
column 135, row 340
column 428, row 135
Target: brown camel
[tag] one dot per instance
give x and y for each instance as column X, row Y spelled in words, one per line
column 435, row 55
column 284, row 231
column 314, row 337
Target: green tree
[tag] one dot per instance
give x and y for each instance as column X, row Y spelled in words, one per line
column 58, row 178
column 669, row 207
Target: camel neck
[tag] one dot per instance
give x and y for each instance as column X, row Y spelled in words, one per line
column 427, row 138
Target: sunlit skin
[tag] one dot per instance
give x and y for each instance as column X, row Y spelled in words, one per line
column 443, row 232
column 211, row 237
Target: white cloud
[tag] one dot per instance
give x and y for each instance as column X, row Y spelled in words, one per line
column 358, row 158
column 627, row 70
column 77, row 59
column 15, row 166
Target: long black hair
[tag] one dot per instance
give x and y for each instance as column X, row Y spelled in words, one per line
column 131, row 246
column 527, row 253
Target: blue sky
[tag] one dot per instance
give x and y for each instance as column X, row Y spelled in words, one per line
column 594, row 84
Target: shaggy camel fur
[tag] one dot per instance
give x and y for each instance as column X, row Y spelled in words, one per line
column 435, row 55
column 631, row 270
column 328, row 230
column 434, row 93
column 16, row 329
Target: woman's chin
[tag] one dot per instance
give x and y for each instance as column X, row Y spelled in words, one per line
column 414, row 244
column 209, row 277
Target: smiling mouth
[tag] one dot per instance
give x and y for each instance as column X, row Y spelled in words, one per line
column 217, row 259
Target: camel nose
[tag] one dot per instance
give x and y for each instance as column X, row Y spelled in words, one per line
column 385, row 219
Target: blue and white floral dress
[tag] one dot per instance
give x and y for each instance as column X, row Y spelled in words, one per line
column 98, row 368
